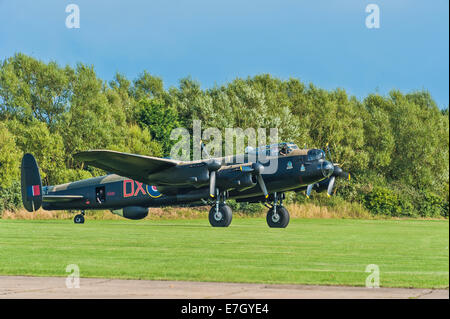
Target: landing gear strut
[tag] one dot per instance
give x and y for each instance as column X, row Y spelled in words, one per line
column 278, row 215
column 79, row 219
column 220, row 214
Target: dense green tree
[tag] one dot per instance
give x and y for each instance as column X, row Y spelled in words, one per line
column 421, row 142
column 91, row 122
column 35, row 138
column 120, row 96
column 139, row 141
column 29, row 87
column 379, row 139
column 9, row 157
column 333, row 118
column 157, row 119
column 396, row 146
column 147, row 86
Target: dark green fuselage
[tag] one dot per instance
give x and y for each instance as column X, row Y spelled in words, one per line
column 293, row 171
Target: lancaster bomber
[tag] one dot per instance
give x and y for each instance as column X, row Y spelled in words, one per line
column 137, row 182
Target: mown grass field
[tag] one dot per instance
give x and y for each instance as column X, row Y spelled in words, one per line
column 409, row 253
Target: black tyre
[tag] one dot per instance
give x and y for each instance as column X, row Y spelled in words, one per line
column 278, row 220
column 222, row 218
column 78, row 219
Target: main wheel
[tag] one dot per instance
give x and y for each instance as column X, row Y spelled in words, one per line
column 278, row 220
column 222, row 218
column 78, row 219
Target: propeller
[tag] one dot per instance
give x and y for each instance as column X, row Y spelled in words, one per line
column 309, row 189
column 213, row 166
column 338, row 172
column 329, row 152
column 257, row 169
column 212, row 183
column 330, row 185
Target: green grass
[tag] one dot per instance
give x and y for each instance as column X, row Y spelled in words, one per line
column 409, row 253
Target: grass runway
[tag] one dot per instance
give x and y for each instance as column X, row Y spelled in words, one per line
column 409, row 253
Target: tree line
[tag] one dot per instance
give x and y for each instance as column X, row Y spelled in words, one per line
column 396, row 146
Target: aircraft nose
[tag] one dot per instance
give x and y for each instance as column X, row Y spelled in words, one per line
column 327, row 168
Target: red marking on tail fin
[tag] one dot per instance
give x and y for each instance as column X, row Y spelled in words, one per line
column 36, row 190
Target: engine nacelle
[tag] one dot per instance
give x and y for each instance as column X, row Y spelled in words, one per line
column 237, row 180
column 132, row 212
column 322, row 185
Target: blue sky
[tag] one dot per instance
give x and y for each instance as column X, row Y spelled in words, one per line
column 323, row 42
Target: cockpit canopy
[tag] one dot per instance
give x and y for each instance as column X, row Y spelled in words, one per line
column 284, row 149
column 272, row 149
column 315, row 154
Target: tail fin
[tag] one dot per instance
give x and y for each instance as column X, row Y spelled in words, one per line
column 31, row 183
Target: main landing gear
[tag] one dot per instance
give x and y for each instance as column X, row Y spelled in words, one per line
column 220, row 215
column 79, row 219
column 278, row 215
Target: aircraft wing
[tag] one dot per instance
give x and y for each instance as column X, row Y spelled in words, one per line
column 137, row 167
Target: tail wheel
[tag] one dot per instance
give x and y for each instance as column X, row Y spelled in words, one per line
column 278, row 219
column 78, row 219
column 220, row 217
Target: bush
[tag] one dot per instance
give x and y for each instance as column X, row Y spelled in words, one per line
column 406, row 205
column 10, row 197
column 383, row 201
column 431, row 205
column 445, row 209
column 245, row 207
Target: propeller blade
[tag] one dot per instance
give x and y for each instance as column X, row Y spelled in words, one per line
column 262, row 185
column 308, row 190
column 330, row 186
column 212, row 184
column 345, row 175
column 329, row 152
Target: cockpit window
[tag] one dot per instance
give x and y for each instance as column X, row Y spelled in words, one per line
column 273, row 149
column 286, row 148
column 314, row 155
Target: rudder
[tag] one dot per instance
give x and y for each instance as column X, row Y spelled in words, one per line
column 31, row 184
